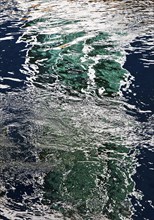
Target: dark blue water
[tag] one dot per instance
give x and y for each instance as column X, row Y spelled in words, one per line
column 12, row 57
column 143, row 84
column 143, row 87
column 21, row 168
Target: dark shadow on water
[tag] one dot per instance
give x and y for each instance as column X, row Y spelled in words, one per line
column 141, row 90
column 141, row 95
column 12, row 57
column 15, row 121
column 144, row 180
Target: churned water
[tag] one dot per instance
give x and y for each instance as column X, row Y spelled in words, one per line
column 76, row 110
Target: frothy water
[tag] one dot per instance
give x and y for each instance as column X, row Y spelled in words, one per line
column 76, row 110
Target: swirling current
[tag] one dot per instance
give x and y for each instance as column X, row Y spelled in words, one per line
column 76, row 110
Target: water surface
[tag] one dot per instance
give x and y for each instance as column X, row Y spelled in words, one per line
column 76, row 108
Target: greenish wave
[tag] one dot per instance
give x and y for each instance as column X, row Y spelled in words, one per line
column 62, row 58
column 89, row 182
column 86, row 179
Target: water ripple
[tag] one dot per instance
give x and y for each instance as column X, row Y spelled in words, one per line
column 76, row 127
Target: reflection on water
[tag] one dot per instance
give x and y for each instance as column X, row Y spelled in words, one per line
column 76, row 120
column 84, row 151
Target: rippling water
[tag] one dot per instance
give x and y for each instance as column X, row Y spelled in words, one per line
column 76, row 110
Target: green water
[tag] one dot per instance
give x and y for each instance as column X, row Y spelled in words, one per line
column 66, row 139
column 68, row 64
column 90, row 166
column 87, row 179
column 85, row 183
